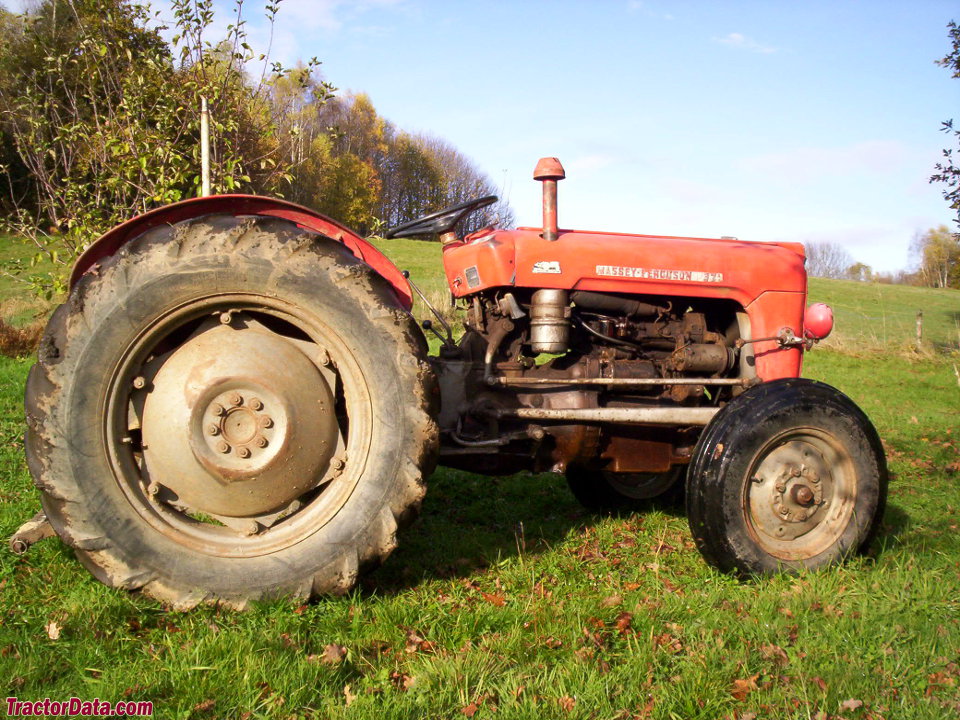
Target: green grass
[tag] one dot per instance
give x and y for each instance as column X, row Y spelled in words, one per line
column 17, row 304
column 875, row 316
column 507, row 598
column 527, row 604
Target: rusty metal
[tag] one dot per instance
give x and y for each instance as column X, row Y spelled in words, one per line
column 34, row 530
column 801, row 494
column 631, row 416
column 221, row 366
column 621, row 382
column 549, row 171
column 315, row 503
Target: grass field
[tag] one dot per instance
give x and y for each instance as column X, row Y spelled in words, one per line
column 507, row 600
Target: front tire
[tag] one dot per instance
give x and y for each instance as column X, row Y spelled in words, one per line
column 231, row 409
column 789, row 475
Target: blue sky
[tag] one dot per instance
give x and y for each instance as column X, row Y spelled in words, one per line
column 808, row 121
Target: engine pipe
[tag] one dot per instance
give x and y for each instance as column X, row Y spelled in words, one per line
column 612, row 303
column 549, row 171
column 626, row 416
column 623, row 382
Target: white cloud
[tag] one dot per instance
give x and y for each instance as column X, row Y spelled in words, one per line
column 742, row 42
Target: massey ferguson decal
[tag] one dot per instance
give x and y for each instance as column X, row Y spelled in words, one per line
column 659, row 274
column 550, row 267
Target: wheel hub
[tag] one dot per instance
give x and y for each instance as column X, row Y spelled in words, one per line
column 238, row 422
column 798, row 490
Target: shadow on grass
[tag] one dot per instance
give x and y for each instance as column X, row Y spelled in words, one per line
column 470, row 522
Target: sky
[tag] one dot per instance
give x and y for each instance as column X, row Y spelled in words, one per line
column 775, row 120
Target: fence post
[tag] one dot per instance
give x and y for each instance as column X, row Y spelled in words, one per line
column 919, row 329
column 204, row 148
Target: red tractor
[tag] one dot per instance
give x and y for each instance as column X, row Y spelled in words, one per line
column 235, row 401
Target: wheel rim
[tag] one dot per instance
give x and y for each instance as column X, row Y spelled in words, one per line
column 237, row 425
column 800, row 493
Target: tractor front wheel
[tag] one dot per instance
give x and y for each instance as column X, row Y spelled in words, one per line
column 789, row 475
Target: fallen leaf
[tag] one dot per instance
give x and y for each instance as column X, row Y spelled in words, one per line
column 204, row 706
column 743, row 687
column 494, row 598
column 623, row 622
column 567, row 703
column 470, row 710
column 775, row 653
column 53, row 630
column 333, row 654
column 851, row 704
column 818, row 681
column 348, row 695
column 401, row 680
column 630, row 587
column 612, row 601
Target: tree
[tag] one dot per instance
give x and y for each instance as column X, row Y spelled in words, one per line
column 938, row 251
column 827, row 260
column 103, row 113
column 948, row 172
column 861, row 272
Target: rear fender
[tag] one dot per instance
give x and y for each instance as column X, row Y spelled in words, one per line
column 114, row 239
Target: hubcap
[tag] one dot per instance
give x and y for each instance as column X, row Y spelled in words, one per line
column 238, row 422
column 801, row 494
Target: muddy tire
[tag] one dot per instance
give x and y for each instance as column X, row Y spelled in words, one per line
column 789, row 475
column 604, row 491
column 231, row 409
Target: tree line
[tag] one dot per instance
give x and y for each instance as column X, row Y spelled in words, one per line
column 99, row 120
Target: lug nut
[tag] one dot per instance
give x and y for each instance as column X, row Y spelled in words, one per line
column 219, row 409
column 795, row 472
column 214, row 429
column 223, row 447
column 256, row 404
column 235, row 398
column 336, row 463
column 323, row 358
column 266, row 421
column 261, row 442
column 139, row 382
column 244, row 452
column 802, row 495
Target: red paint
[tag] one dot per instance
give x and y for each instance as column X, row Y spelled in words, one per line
column 818, row 321
column 238, row 205
column 767, row 279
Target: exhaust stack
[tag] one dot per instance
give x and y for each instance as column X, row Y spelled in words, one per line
column 549, row 171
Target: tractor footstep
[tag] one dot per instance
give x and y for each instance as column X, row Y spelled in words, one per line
column 35, row 529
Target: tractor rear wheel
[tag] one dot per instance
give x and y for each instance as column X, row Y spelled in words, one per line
column 231, row 409
column 789, row 475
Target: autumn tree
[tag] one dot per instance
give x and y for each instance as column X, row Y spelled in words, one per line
column 938, row 253
column 103, row 113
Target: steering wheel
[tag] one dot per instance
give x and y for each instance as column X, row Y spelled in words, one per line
column 441, row 221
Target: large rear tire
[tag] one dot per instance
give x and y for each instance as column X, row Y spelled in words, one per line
column 789, row 475
column 231, row 409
